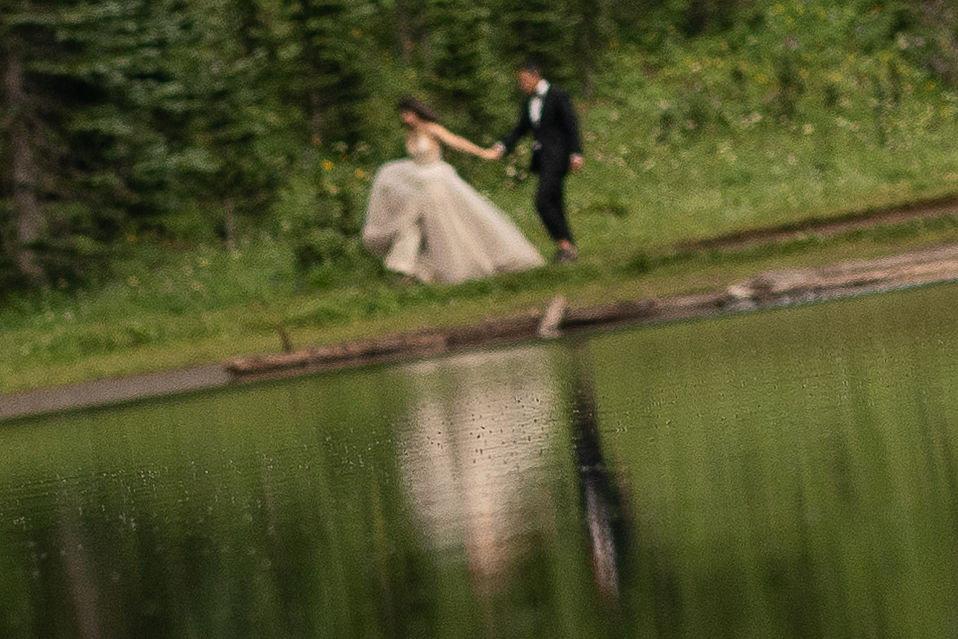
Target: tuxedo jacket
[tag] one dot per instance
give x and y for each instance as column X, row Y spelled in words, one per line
column 556, row 134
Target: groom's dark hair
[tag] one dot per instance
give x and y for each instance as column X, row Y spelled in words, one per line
column 532, row 66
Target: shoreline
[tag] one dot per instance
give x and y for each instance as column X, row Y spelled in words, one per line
column 765, row 290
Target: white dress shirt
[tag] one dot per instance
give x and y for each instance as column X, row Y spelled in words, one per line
column 535, row 104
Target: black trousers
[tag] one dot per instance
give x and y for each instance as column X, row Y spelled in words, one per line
column 550, row 204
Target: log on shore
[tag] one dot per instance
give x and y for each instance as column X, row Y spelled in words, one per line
column 344, row 353
column 768, row 289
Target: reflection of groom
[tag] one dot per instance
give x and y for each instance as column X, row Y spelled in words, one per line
column 549, row 115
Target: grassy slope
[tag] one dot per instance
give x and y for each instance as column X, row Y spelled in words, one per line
column 65, row 346
column 704, row 138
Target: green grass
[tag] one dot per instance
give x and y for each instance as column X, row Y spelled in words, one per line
column 124, row 332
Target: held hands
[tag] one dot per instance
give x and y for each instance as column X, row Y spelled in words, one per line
column 495, row 152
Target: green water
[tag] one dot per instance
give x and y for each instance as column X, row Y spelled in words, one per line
column 781, row 474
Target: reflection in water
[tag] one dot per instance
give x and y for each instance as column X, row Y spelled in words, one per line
column 600, row 496
column 477, row 471
column 794, row 482
column 473, row 459
column 79, row 574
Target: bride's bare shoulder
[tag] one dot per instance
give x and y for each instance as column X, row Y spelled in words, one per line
column 436, row 131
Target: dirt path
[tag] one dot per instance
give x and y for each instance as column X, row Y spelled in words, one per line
column 764, row 290
column 832, row 226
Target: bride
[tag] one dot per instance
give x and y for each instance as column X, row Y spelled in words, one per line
column 427, row 223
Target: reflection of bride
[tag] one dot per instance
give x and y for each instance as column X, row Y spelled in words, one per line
column 474, row 455
column 427, row 223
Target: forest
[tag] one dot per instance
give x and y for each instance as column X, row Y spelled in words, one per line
column 152, row 127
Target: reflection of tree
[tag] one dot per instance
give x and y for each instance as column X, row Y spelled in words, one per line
column 79, row 574
column 473, row 457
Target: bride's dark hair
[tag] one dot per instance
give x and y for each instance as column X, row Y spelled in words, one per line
column 413, row 105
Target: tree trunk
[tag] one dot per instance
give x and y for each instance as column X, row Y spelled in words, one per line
column 404, row 32
column 316, row 117
column 229, row 222
column 25, row 172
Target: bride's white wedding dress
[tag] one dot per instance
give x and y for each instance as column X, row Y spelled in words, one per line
column 427, row 222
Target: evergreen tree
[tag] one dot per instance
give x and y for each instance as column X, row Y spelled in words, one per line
column 410, row 28
column 595, row 30
column 458, row 71
column 327, row 75
column 232, row 111
column 85, row 85
column 126, row 129
column 542, row 31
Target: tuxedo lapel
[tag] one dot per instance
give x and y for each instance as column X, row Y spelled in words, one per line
column 546, row 117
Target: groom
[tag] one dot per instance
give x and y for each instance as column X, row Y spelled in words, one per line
column 547, row 112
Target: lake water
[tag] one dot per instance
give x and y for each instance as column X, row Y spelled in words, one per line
column 790, row 473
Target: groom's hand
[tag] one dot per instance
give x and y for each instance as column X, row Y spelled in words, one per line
column 576, row 162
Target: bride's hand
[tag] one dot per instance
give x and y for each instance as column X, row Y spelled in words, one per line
column 492, row 153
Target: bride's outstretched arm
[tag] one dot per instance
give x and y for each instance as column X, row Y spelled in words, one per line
column 458, row 142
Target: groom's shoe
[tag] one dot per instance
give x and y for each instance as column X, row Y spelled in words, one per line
column 566, row 255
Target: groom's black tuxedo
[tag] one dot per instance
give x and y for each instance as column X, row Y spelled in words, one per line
column 556, row 139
